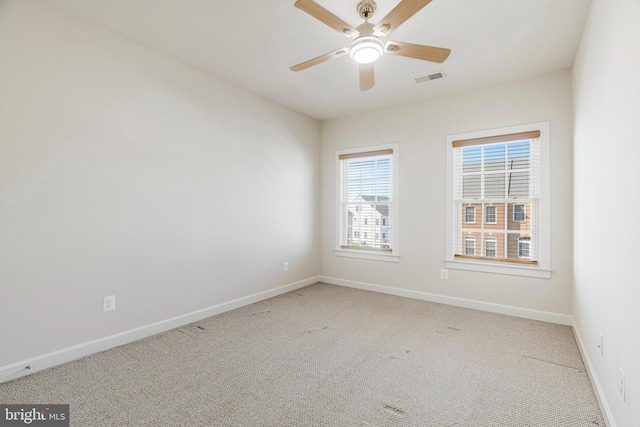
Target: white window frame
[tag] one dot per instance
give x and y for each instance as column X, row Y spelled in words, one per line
column 494, row 240
column 543, row 268
column 495, row 215
column 394, row 255
column 524, row 212
column 522, row 240
column 468, row 239
column 466, row 208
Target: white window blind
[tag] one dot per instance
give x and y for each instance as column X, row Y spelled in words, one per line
column 498, row 175
column 366, row 200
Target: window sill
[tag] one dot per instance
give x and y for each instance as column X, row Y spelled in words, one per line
column 373, row 256
column 498, row 268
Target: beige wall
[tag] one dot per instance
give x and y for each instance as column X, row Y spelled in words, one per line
column 124, row 172
column 421, row 129
column 606, row 295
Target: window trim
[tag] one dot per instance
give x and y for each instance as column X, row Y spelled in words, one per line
column 392, row 149
column 522, row 240
column 467, row 239
column 524, row 212
column 495, row 215
column 494, row 240
column 543, row 268
column 465, row 214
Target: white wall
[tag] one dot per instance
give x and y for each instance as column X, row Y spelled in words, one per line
column 606, row 295
column 421, row 130
column 124, row 172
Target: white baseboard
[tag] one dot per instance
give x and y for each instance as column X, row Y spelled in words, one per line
column 544, row 316
column 602, row 400
column 38, row 363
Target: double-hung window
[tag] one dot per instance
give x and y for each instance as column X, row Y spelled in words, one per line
column 491, row 246
column 469, row 245
column 367, row 203
column 470, row 214
column 491, row 215
column 524, row 247
column 504, row 174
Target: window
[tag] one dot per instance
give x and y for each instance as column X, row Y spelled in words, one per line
column 470, row 215
column 367, row 203
column 519, row 213
column 490, row 247
column 490, row 215
column 497, row 172
column 524, row 247
column 505, row 174
column 469, row 245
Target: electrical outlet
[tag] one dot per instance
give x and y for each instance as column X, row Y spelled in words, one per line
column 286, row 266
column 601, row 343
column 444, row 273
column 621, row 385
column 109, row 303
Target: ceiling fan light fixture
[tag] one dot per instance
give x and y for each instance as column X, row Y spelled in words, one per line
column 366, row 49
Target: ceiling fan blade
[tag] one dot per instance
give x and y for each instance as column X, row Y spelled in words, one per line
column 418, row 51
column 323, row 15
column 403, row 11
column 366, row 76
column 320, row 59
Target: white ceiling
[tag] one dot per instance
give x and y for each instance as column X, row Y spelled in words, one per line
column 252, row 44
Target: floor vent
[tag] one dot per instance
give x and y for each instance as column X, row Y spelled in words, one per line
column 428, row 77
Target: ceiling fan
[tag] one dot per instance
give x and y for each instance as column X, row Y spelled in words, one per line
column 367, row 45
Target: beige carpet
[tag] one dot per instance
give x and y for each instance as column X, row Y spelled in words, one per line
column 330, row 356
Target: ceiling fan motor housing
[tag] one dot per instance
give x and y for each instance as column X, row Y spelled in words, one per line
column 366, row 8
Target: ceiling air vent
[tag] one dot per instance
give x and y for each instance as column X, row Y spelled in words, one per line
column 432, row 76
